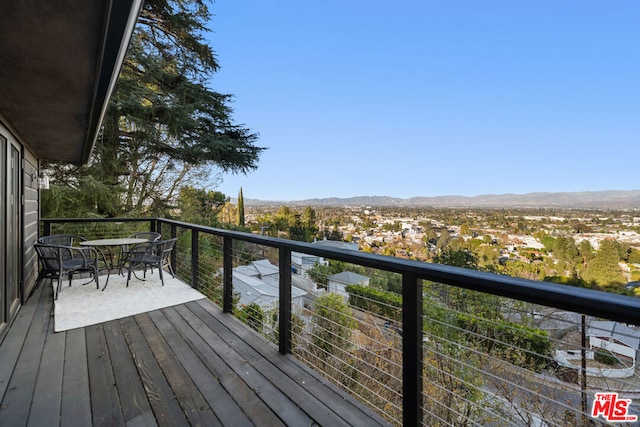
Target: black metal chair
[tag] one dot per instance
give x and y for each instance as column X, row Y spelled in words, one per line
column 150, row 254
column 58, row 261
column 65, row 240
column 151, row 236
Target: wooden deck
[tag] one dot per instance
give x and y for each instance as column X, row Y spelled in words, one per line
column 184, row 365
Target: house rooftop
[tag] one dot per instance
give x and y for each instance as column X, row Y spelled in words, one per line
column 348, row 277
column 616, row 330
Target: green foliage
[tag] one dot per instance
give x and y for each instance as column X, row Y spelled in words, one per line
column 430, row 234
column 525, row 270
column 634, row 256
column 586, row 252
column 240, row 208
column 457, row 258
column 520, row 345
column 571, row 281
column 333, row 324
column 385, row 280
column 164, row 126
column 603, row 269
column 80, row 200
column 297, row 327
column 605, row 356
column 298, row 226
column 624, row 250
column 253, row 315
column 375, row 301
column 524, row 346
column 332, row 234
column 297, row 230
column 548, row 242
column 200, row 206
column 210, row 259
column 443, row 239
column 394, row 226
column 565, row 249
column 319, row 272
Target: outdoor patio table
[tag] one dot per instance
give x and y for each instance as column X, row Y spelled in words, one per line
column 114, row 242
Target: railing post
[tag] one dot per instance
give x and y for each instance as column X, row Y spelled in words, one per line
column 47, row 228
column 411, row 350
column 227, row 268
column 153, row 225
column 195, row 258
column 174, row 255
column 284, row 322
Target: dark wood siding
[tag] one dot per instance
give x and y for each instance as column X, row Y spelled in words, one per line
column 30, row 221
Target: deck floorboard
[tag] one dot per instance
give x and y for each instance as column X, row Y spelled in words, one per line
column 188, row 364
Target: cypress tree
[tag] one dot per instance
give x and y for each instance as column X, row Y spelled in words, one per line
column 240, row 208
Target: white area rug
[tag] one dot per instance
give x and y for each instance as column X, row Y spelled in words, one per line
column 79, row 305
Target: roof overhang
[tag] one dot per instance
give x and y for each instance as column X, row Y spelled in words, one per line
column 59, row 62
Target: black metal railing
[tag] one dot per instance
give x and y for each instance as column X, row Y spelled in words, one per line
column 188, row 258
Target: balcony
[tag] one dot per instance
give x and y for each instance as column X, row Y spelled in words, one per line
column 419, row 344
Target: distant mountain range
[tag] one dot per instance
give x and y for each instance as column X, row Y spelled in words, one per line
column 577, row 200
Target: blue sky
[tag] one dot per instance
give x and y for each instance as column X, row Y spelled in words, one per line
column 429, row 98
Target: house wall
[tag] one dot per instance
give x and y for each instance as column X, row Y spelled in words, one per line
column 30, row 222
column 29, row 212
column 302, row 262
column 595, row 342
column 11, row 220
column 337, row 288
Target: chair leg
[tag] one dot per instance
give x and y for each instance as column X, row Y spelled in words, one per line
column 161, row 275
column 96, row 274
column 171, row 270
column 59, row 287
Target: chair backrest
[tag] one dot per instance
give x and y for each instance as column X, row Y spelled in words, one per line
column 151, row 236
column 61, row 239
column 167, row 247
column 137, row 252
column 161, row 249
column 55, row 257
column 49, row 255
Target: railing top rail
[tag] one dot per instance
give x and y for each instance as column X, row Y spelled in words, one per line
column 79, row 220
column 585, row 301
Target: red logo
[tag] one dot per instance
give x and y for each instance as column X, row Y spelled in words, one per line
column 612, row 408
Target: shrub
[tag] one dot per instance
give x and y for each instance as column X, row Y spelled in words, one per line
column 605, row 356
column 375, row 301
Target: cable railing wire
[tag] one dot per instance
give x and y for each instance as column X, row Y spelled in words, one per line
column 467, row 335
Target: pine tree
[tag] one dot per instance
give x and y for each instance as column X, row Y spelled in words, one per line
column 603, row 268
column 164, row 127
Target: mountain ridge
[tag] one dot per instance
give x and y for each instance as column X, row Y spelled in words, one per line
column 612, row 199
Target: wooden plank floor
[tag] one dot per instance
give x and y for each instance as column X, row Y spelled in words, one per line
column 184, row 365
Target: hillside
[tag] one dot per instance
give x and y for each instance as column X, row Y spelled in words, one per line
column 578, row 200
